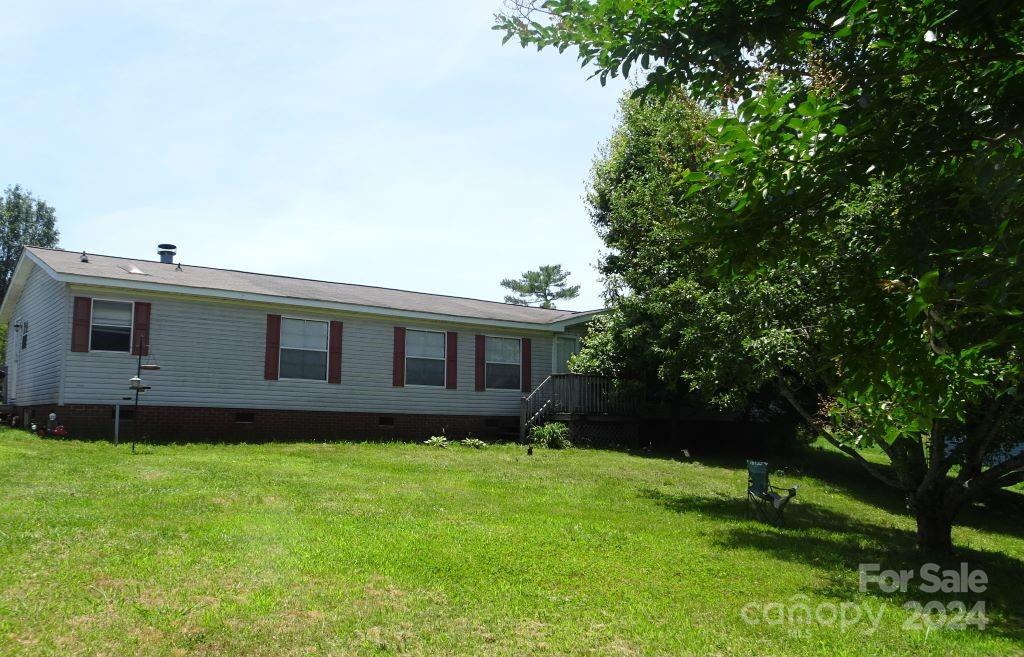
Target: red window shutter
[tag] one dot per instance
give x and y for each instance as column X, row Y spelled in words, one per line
column 451, row 353
column 398, row 369
column 82, row 317
column 140, row 328
column 334, row 354
column 481, row 347
column 527, row 356
column 273, row 355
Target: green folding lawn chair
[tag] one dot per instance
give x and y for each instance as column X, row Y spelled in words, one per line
column 766, row 500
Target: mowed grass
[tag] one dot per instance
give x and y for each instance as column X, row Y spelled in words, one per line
column 370, row 549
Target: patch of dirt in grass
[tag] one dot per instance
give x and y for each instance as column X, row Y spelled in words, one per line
column 469, row 627
column 274, row 502
column 148, row 634
column 224, row 502
column 533, row 632
column 380, row 594
column 105, row 589
column 151, row 599
column 152, row 474
column 386, row 639
column 24, row 639
column 621, row 647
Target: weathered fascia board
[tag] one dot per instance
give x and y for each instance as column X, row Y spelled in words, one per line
column 298, row 307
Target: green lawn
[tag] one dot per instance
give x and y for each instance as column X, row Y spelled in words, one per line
column 372, row 549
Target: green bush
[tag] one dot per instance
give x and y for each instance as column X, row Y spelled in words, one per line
column 436, row 441
column 476, row 443
column 553, row 435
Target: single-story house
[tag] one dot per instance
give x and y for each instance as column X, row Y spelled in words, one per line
column 246, row 356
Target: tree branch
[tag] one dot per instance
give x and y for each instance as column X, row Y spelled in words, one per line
column 975, row 446
column 938, row 464
column 1010, row 470
column 838, row 444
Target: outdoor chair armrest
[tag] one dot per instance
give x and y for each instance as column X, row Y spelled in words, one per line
column 791, row 491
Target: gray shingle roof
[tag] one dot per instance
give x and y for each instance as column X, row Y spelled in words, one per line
column 207, row 278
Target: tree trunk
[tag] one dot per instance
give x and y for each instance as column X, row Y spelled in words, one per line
column 934, row 530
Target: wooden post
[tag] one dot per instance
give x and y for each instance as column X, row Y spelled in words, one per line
column 523, row 418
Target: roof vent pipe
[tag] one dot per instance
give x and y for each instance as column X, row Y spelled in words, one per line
column 167, row 253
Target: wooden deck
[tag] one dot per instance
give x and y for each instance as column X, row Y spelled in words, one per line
column 567, row 397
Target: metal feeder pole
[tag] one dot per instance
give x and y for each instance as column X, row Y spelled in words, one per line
column 138, row 389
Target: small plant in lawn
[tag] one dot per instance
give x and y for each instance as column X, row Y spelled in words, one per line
column 436, row 441
column 553, row 435
column 473, row 442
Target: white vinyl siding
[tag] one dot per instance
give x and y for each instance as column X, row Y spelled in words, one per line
column 211, row 354
column 424, row 358
column 44, row 305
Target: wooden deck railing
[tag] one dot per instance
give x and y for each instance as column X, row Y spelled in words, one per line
column 573, row 394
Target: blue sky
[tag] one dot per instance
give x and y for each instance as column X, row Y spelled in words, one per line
column 396, row 144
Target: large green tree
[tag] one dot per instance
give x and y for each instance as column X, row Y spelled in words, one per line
column 874, row 148
column 24, row 221
column 541, row 287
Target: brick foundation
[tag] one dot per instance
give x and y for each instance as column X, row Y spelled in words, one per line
column 197, row 424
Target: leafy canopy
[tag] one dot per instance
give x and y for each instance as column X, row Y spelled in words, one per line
column 24, row 221
column 677, row 324
column 871, row 153
column 541, row 287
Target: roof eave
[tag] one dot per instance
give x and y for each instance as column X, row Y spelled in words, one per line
column 18, row 279
column 578, row 318
column 214, row 294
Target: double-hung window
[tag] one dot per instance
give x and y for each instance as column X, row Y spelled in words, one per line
column 424, row 358
column 303, row 349
column 111, row 326
column 503, row 363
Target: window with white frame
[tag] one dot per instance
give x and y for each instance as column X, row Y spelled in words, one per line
column 111, row 326
column 303, row 349
column 565, row 348
column 424, row 358
column 502, row 361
